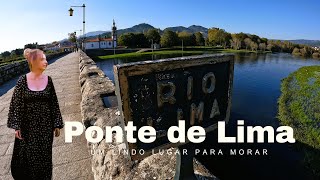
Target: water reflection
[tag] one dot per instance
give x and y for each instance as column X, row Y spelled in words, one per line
column 256, row 89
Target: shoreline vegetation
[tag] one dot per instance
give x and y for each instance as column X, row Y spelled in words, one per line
column 211, row 40
column 177, row 51
column 299, row 108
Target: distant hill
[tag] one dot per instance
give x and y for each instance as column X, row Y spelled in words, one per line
column 140, row 28
column 306, row 42
column 144, row 27
column 190, row 29
column 178, row 29
column 95, row 33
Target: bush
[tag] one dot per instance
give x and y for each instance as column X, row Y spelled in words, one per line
column 299, row 108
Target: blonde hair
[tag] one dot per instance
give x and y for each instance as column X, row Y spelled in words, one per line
column 31, row 55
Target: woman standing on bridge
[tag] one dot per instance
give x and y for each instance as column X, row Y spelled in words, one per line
column 35, row 115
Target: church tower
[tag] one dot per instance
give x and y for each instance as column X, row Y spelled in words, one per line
column 114, row 35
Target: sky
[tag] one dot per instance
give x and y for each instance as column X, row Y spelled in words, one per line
column 45, row 21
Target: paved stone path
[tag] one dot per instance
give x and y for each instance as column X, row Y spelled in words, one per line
column 70, row 160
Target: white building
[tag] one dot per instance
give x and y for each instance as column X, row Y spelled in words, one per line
column 316, row 48
column 103, row 43
column 52, row 47
column 99, row 43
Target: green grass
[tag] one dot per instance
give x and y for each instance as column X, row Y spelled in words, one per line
column 136, row 54
column 299, row 108
column 170, row 51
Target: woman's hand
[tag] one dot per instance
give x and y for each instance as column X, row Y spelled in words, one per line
column 56, row 132
column 18, row 134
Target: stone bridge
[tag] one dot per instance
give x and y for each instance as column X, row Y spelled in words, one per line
column 78, row 96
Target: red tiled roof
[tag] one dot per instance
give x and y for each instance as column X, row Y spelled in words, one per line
column 97, row 39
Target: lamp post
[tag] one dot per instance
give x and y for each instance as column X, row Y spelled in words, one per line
column 182, row 45
column 152, row 45
column 83, row 32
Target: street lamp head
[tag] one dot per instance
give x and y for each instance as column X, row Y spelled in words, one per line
column 71, row 11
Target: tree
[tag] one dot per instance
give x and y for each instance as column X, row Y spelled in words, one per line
column 296, row 51
column 226, row 39
column 17, row 52
column 169, row 39
column 254, row 46
column 218, row 36
column 235, row 42
column 188, row 38
column 126, row 39
column 247, row 42
column 153, row 34
column 31, row 46
column 241, row 36
column 133, row 40
column 269, row 46
column 5, row 54
column 213, row 36
column 72, row 37
column 140, row 40
column 13, row 54
column 255, row 38
column 262, row 46
column 264, row 40
column 199, row 39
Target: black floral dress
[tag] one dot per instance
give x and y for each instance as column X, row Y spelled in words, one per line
column 36, row 114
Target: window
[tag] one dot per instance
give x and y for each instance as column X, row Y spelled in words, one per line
column 109, row 43
column 91, row 45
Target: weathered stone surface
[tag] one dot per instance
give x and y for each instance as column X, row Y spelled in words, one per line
column 107, row 162
column 4, row 148
column 10, row 149
column 5, row 130
column 4, row 165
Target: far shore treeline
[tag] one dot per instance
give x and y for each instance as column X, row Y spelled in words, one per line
column 216, row 37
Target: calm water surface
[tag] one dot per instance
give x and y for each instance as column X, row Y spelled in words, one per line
column 256, row 89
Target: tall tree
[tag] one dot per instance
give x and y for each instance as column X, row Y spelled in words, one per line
column 235, row 42
column 153, row 34
column 72, row 37
column 31, row 46
column 247, row 42
column 140, row 40
column 254, row 46
column 262, row 46
column 126, row 39
column 217, row 36
column 5, row 54
column 169, row 39
column 187, row 38
column 199, row 39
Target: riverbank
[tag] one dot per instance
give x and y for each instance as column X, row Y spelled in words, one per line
column 299, row 108
column 175, row 51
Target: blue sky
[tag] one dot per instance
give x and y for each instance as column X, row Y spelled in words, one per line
column 44, row 21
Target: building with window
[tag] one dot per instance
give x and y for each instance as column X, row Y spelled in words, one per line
column 103, row 42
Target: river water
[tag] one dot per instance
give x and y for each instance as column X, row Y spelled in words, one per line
column 256, row 89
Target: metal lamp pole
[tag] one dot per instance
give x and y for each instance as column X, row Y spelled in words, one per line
column 83, row 32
